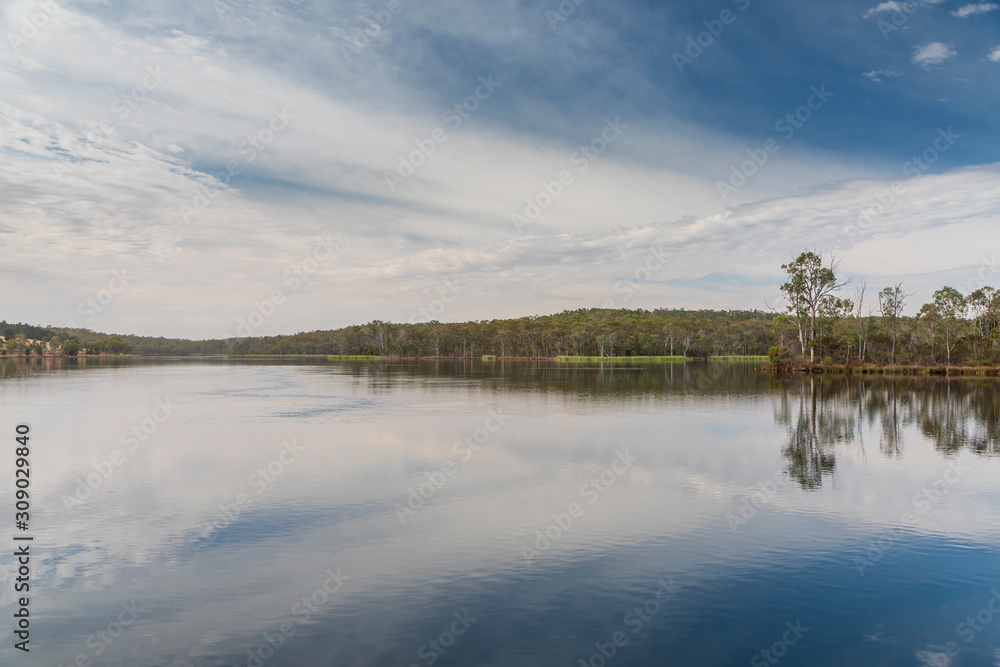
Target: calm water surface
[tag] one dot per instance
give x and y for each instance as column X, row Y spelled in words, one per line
column 504, row 514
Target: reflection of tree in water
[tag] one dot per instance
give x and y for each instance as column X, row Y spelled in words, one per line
column 613, row 379
column 819, row 415
column 820, row 411
column 955, row 414
column 886, row 408
column 959, row 415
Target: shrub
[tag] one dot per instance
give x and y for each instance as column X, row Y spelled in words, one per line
column 780, row 357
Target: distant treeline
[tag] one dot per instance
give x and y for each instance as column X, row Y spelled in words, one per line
column 593, row 332
column 953, row 329
column 933, row 337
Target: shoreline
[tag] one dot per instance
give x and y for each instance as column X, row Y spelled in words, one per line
column 794, row 368
column 896, row 369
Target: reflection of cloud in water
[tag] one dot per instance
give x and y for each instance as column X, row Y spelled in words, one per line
column 703, row 441
column 935, row 656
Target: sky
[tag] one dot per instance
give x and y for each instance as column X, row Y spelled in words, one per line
column 239, row 167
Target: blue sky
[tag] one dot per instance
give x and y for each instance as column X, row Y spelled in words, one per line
column 233, row 157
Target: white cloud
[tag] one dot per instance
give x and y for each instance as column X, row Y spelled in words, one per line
column 995, row 54
column 933, row 219
column 877, row 74
column 893, row 6
column 117, row 206
column 966, row 11
column 63, row 237
column 933, row 53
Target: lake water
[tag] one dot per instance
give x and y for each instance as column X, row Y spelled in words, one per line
column 232, row 513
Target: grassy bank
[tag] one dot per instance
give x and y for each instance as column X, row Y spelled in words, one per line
column 270, row 356
column 327, row 357
column 621, row 359
column 740, row 357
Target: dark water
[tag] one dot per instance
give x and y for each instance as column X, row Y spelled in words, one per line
column 694, row 514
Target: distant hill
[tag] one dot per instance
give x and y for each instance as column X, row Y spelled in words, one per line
column 593, row 331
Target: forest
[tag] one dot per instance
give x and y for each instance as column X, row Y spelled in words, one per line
column 814, row 324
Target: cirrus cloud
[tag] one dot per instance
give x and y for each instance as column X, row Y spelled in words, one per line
column 966, row 11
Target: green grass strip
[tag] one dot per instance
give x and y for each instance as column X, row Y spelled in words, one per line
column 740, row 357
column 621, row 359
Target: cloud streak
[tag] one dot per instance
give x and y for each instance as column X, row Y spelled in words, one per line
column 966, row 11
